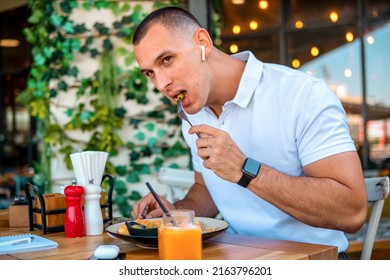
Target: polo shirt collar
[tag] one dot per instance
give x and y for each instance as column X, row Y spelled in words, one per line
column 250, row 78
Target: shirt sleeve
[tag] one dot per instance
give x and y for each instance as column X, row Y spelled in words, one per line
column 321, row 126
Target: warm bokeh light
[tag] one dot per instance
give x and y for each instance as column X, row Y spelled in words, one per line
column 238, row 2
column 349, row 36
column 298, row 24
column 236, row 29
column 263, row 4
column 314, row 51
column 334, row 17
column 296, row 63
column 370, row 40
column 253, row 25
column 348, row 73
column 233, row 48
column 9, row 43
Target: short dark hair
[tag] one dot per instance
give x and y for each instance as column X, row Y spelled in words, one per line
column 172, row 17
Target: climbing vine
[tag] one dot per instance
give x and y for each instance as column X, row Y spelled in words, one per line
column 58, row 41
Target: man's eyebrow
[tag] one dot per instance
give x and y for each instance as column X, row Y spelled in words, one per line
column 158, row 58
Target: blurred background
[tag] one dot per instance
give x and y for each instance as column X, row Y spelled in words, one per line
column 346, row 43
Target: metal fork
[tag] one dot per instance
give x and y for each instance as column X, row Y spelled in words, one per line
column 183, row 115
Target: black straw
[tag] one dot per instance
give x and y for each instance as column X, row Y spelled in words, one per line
column 158, row 199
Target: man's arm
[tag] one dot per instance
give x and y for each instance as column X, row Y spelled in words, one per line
column 331, row 195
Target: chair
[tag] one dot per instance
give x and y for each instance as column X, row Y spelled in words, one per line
column 178, row 182
column 377, row 191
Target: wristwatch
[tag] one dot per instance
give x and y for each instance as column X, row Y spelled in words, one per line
column 249, row 171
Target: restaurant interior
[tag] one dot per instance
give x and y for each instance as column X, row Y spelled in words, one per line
column 346, row 43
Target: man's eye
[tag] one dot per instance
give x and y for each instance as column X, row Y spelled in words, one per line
column 167, row 59
column 149, row 73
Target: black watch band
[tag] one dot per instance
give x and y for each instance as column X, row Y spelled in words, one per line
column 250, row 170
column 244, row 181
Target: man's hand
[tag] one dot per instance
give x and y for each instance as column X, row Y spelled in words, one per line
column 147, row 207
column 219, row 152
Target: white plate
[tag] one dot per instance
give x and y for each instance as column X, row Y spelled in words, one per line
column 219, row 226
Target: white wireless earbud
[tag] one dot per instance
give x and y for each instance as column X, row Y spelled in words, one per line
column 203, row 48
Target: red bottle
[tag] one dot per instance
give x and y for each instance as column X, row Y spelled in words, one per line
column 74, row 218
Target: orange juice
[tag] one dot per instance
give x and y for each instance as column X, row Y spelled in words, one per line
column 179, row 238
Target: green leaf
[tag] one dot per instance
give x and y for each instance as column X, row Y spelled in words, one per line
column 69, row 112
column 85, row 116
column 107, row 45
column 145, row 169
column 120, row 187
column 133, row 177
column 134, row 195
column 121, row 170
column 36, row 16
column 134, row 156
column 125, row 8
column 68, row 27
column 161, row 133
column 56, row 20
column 149, row 126
column 140, row 135
column 86, row 6
column 152, row 142
column 73, row 71
column 120, row 199
column 62, row 86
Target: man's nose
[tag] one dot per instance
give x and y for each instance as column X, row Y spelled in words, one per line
column 162, row 81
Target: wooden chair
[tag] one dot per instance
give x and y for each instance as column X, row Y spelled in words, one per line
column 377, row 191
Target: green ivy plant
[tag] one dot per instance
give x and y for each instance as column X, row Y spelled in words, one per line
column 56, row 40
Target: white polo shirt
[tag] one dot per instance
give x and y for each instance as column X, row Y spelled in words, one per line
column 285, row 119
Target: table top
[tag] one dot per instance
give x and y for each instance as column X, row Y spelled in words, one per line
column 222, row 247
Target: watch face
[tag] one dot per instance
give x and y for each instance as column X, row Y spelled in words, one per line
column 252, row 166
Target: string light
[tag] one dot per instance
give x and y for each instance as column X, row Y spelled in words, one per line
column 349, row 36
column 263, row 4
column 314, row 51
column 298, row 24
column 253, row 25
column 233, row 48
column 348, row 73
column 334, row 17
column 236, row 29
column 296, row 63
column 370, row 40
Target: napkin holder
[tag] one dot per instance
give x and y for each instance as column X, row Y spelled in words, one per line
column 47, row 212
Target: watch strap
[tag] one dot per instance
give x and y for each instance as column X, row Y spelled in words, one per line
column 245, row 180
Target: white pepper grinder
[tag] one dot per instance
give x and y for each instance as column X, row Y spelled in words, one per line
column 92, row 211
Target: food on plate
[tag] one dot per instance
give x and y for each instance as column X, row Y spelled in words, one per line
column 123, row 230
column 150, row 224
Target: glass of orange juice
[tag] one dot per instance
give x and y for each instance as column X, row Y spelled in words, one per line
column 179, row 238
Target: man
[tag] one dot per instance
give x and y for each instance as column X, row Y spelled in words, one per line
column 274, row 155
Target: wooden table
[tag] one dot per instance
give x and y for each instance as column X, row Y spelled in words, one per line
column 222, row 247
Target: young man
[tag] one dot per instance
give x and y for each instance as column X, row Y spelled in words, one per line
column 274, row 155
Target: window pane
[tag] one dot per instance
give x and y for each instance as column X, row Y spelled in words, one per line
column 263, row 47
column 249, row 18
column 377, row 46
column 377, row 8
column 320, row 12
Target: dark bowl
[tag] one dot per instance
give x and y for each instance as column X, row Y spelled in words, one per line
column 140, row 230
